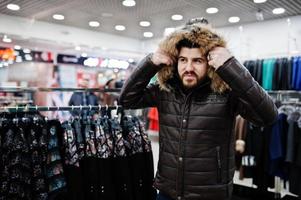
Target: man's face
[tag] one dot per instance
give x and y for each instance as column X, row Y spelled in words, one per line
column 84, row 83
column 192, row 66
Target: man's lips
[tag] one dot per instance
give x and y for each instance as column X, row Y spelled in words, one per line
column 189, row 75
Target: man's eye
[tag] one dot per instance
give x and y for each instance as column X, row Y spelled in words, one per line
column 181, row 59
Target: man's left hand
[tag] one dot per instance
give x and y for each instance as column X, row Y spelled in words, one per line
column 218, row 56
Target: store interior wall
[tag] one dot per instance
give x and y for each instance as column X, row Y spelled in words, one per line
column 273, row 38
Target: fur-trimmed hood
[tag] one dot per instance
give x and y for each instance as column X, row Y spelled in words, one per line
column 206, row 39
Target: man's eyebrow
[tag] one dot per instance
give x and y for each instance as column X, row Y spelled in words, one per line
column 202, row 58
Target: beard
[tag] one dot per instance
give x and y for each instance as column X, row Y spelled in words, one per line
column 190, row 80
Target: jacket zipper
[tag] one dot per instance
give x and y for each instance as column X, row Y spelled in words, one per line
column 219, row 165
column 181, row 188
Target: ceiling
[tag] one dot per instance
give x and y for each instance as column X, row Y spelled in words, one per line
column 111, row 12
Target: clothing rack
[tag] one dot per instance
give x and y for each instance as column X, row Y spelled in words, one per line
column 51, row 89
column 56, row 108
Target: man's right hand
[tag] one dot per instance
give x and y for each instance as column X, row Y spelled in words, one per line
column 160, row 58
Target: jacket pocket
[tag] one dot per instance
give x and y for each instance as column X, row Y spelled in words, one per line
column 219, row 165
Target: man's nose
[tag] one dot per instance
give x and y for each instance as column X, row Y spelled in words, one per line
column 189, row 66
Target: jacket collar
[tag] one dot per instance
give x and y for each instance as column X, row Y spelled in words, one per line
column 176, row 85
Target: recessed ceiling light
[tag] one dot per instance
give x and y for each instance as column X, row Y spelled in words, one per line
column 130, row 60
column 211, row 10
column 148, row 34
column 128, row 3
column 77, row 48
column 84, row 55
column 234, row 19
column 145, row 23
column 58, row 17
column 278, row 11
column 177, row 17
column 168, row 31
column 259, row 1
column 17, row 47
column 94, row 23
column 12, row 6
column 120, row 27
column 6, row 39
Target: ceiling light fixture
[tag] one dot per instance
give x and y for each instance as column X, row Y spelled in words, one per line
column 211, row 10
column 120, row 27
column 12, row 6
column 144, row 23
column 94, row 23
column 177, row 17
column 233, row 19
column 26, row 50
column 84, row 55
column 58, row 17
column 168, row 31
column 278, row 11
column 148, row 34
column 17, row 47
column 130, row 60
column 6, row 39
column 77, row 48
column 129, row 3
column 259, row 1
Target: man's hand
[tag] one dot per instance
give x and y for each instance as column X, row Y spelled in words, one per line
column 161, row 58
column 218, row 56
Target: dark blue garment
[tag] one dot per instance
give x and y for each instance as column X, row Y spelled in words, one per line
column 277, row 147
column 84, row 99
column 294, row 72
column 298, row 76
column 161, row 196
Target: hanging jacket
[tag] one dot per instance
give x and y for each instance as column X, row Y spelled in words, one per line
column 298, row 76
column 294, row 72
column 258, row 71
column 267, row 74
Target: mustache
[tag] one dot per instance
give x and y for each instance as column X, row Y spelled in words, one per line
column 189, row 73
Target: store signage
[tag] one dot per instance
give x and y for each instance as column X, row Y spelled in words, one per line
column 92, row 61
column 68, row 59
column 39, row 56
column 113, row 63
column 7, row 54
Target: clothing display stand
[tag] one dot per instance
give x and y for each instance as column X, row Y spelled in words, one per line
column 55, row 108
column 51, row 89
column 288, row 100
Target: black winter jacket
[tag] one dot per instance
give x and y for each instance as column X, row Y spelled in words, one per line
column 196, row 156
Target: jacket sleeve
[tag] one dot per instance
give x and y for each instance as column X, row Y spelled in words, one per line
column 135, row 92
column 250, row 100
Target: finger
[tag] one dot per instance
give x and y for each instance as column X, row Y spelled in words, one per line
column 210, row 62
column 170, row 61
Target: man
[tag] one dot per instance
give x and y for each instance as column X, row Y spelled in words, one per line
column 202, row 88
column 83, row 98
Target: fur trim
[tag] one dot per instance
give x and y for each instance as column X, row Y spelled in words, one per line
column 206, row 39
